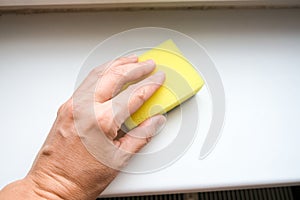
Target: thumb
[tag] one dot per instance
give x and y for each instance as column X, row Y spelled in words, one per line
column 137, row 138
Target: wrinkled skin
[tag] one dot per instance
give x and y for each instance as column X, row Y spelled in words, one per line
column 83, row 152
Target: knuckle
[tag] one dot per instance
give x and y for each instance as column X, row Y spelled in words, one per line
column 118, row 71
column 140, row 64
column 117, row 62
column 107, row 123
column 141, row 94
column 103, row 120
column 66, row 109
column 121, row 60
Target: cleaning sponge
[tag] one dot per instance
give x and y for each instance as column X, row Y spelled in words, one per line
column 182, row 82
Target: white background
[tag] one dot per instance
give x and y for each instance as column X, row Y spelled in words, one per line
column 255, row 51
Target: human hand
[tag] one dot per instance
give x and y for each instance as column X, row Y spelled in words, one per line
column 83, row 152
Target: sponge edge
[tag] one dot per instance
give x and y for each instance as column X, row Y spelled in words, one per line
column 182, row 82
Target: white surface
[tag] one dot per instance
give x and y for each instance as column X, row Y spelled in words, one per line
column 255, row 51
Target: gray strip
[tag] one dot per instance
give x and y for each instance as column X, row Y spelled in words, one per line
column 280, row 193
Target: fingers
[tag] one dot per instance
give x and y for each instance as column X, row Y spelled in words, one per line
column 111, row 114
column 131, row 99
column 119, row 74
column 100, row 70
column 90, row 82
column 137, row 138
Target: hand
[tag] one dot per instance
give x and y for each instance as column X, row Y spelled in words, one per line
column 83, row 152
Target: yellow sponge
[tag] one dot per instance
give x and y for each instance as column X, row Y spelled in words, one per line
column 182, row 82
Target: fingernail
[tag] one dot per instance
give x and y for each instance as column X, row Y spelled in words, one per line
column 161, row 123
column 160, row 74
column 151, row 62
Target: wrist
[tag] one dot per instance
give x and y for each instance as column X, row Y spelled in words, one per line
column 41, row 186
column 21, row 189
column 47, row 185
